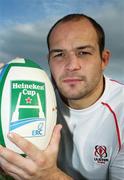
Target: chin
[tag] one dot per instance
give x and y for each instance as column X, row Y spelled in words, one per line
column 71, row 96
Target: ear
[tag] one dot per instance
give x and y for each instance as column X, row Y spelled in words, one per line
column 105, row 58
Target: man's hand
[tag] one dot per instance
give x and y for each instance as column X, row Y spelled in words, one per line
column 38, row 165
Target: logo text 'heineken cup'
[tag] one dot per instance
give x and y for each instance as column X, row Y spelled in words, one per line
column 28, row 108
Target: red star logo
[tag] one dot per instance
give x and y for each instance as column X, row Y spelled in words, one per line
column 28, row 100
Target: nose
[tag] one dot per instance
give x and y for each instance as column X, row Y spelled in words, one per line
column 72, row 63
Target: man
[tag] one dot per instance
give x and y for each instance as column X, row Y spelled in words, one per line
column 90, row 109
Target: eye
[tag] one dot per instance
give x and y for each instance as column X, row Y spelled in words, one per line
column 81, row 53
column 58, row 54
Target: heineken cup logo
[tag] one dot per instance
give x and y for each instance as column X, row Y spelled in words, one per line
column 28, row 108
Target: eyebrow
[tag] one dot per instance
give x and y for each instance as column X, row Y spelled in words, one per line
column 85, row 47
column 80, row 47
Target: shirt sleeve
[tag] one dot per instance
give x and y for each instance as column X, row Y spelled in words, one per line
column 116, row 170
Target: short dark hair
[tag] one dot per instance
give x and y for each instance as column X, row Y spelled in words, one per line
column 76, row 17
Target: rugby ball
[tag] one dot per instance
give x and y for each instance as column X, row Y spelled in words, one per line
column 27, row 103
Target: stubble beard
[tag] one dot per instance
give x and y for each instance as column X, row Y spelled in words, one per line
column 84, row 90
column 72, row 94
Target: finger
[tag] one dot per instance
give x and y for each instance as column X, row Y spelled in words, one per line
column 7, row 167
column 16, row 161
column 2, row 171
column 26, row 146
column 31, row 150
column 54, row 143
column 15, row 176
column 13, row 170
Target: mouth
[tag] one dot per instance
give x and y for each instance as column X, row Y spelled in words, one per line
column 71, row 80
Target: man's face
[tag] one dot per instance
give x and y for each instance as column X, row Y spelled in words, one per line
column 75, row 61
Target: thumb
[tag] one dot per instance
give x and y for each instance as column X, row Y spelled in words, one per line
column 54, row 143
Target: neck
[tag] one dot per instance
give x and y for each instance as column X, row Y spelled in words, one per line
column 89, row 99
